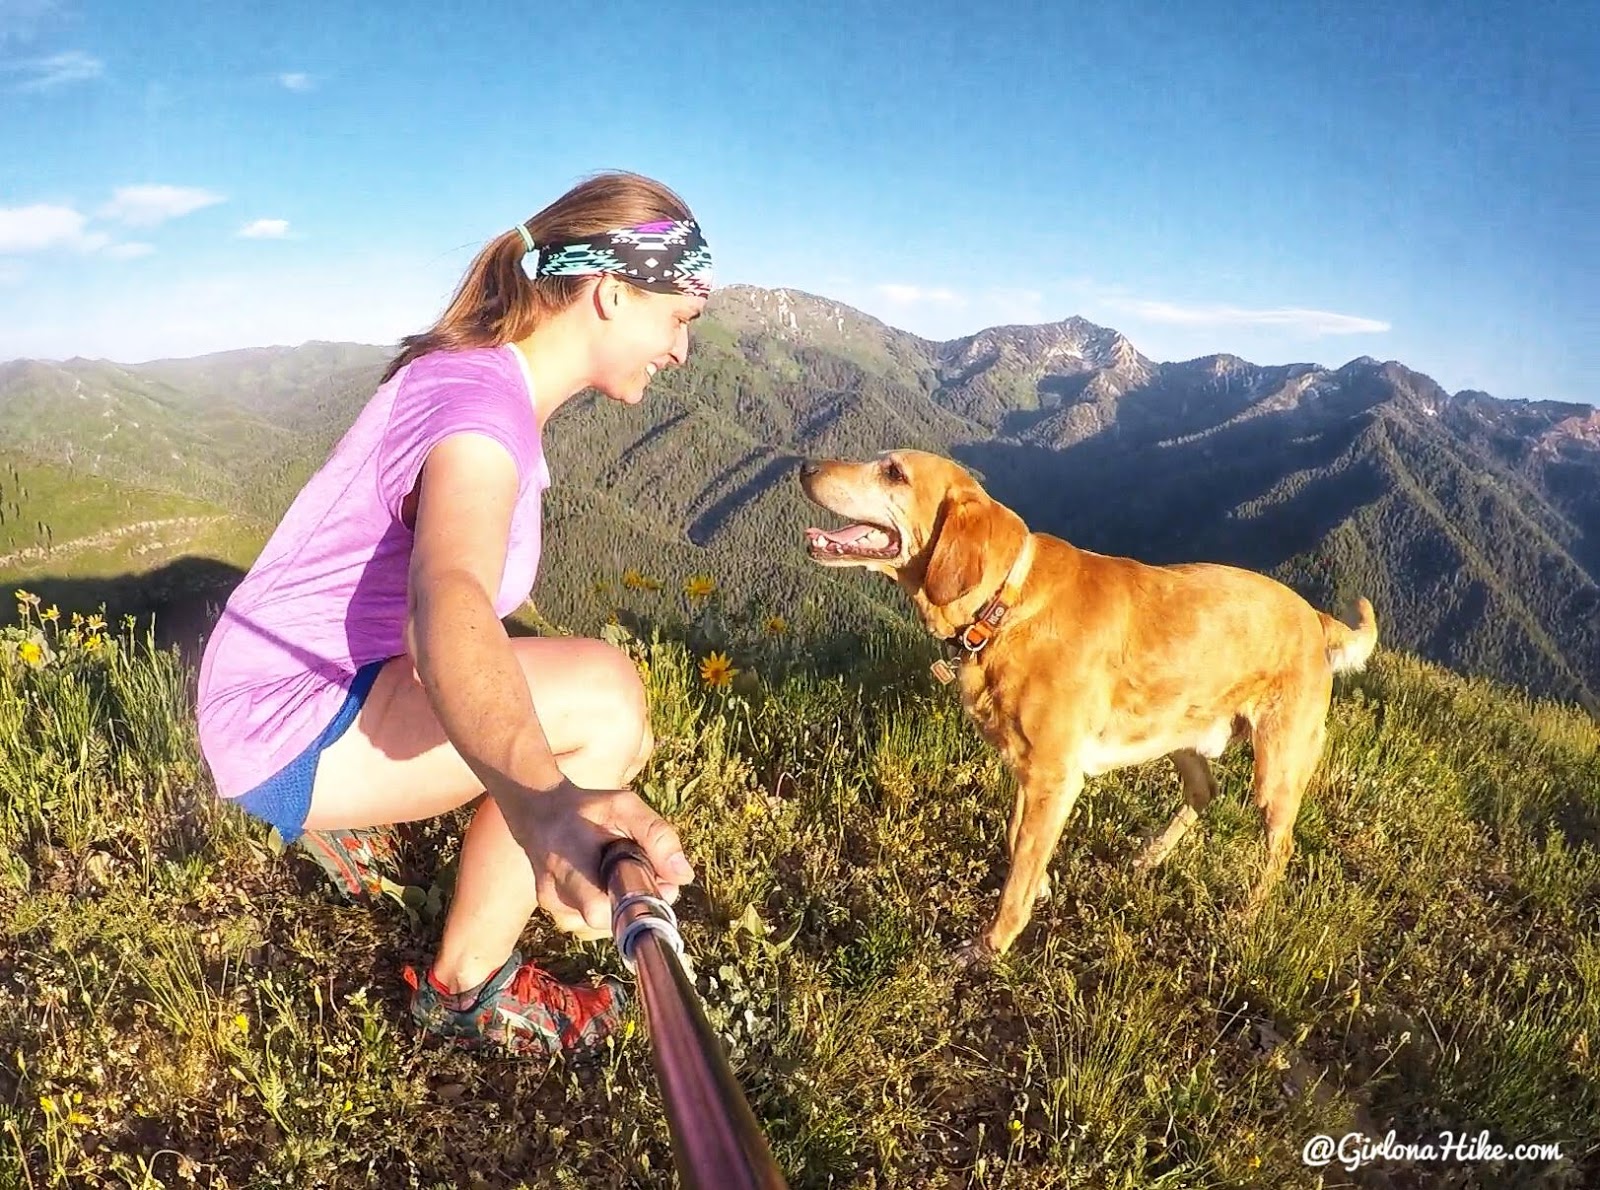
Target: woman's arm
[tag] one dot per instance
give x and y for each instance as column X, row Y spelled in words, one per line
column 462, row 654
column 465, row 662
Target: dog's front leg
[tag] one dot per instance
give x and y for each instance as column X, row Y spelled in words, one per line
column 1045, row 800
column 1013, row 829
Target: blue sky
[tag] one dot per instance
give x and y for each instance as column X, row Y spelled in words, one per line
column 1409, row 181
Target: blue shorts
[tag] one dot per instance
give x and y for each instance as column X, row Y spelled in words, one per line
column 284, row 799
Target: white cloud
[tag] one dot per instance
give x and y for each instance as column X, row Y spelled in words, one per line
column 45, row 226
column 1305, row 322
column 41, row 226
column 146, row 206
column 57, row 70
column 295, row 80
column 1012, row 306
column 910, row 295
column 265, row 229
column 31, row 228
column 937, row 311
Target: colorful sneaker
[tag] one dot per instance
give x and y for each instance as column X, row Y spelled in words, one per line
column 522, row 1007
column 357, row 862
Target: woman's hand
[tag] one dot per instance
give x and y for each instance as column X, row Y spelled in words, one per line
column 564, row 830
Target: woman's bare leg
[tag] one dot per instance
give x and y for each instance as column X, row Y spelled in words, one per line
column 395, row 764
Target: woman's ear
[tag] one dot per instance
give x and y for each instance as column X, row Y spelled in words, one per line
column 607, row 296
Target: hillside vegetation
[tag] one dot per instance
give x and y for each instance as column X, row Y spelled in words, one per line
column 184, row 1006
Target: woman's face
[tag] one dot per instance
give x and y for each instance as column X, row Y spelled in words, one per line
column 645, row 333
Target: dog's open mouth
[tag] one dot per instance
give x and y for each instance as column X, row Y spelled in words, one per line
column 853, row 541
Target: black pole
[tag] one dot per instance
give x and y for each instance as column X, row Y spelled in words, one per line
column 716, row 1142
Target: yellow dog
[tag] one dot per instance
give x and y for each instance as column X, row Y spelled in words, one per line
column 1075, row 663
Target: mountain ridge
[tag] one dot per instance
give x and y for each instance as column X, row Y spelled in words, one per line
column 1476, row 519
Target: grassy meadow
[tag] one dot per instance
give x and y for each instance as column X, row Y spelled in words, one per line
column 181, row 1005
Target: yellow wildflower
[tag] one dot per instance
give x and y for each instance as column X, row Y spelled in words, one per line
column 48, row 1104
column 51, row 613
column 26, row 598
column 96, row 623
column 31, row 653
column 635, row 581
column 775, row 626
column 92, row 645
column 242, row 1023
column 699, row 586
column 78, row 1119
column 717, row 670
column 77, row 619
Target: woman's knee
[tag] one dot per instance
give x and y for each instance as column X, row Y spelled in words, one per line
column 618, row 678
column 647, row 746
column 600, row 705
column 624, row 722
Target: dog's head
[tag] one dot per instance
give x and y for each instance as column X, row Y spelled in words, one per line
column 917, row 517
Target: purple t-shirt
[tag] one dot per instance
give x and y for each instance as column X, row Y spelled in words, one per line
column 328, row 593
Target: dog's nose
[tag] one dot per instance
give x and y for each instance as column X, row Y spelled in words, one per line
column 809, row 468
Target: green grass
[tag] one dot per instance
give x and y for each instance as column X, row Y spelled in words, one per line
column 73, row 505
column 180, row 1005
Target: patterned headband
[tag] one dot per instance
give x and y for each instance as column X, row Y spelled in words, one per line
column 666, row 257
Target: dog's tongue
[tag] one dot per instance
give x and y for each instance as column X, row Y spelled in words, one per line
column 860, row 536
column 849, row 535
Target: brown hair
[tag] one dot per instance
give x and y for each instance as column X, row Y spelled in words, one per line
column 497, row 302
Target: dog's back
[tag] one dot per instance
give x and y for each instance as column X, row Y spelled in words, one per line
column 1192, row 623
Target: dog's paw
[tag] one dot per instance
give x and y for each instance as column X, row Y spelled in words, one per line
column 973, row 955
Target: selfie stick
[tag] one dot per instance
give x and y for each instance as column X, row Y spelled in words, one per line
column 716, row 1142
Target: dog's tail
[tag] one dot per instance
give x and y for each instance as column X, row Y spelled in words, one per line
column 1349, row 648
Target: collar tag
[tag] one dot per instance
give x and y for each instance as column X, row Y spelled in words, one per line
column 941, row 670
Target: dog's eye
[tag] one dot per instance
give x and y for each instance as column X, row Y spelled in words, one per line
column 893, row 472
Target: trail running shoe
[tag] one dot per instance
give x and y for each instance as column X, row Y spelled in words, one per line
column 522, row 1007
column 357, row 862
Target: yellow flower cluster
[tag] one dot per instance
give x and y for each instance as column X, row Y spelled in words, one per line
column 41, row 636
column 67, row 1109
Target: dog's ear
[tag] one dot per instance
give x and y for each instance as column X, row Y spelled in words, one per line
column 974, row 532
column 956, row 565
